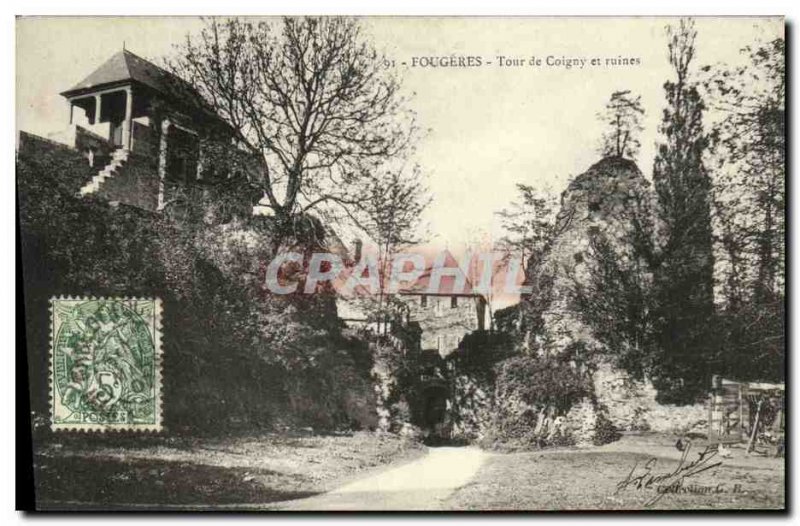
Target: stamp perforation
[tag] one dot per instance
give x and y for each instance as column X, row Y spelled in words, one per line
column 153, row 325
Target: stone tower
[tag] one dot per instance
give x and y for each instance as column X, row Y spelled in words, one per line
column 607, row 199
column 611, row 199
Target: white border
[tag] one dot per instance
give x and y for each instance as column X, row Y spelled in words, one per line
column 360, row 7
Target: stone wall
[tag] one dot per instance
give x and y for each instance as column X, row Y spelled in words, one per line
column 632, row 406
column 470, row 406
column 145, row 138
column 443, row 325
column 135, row 183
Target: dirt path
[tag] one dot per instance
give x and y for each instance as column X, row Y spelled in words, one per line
column 420, row 485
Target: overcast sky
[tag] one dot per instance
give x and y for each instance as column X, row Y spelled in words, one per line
column 489, row 127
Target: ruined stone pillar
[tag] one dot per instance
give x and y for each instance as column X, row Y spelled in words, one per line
column 162, row 162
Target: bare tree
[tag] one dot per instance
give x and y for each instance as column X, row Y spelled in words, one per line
column 310, row 97
column 392, row 205
column 623, row 117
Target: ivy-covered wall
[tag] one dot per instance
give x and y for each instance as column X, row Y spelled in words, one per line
column 233, row 355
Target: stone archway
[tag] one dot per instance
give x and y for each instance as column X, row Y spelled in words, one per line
column 434, row 406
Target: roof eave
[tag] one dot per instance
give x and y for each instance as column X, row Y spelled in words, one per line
column 441, row 294
column 77, row 92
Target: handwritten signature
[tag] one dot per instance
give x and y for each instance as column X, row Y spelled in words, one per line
column 645, row 478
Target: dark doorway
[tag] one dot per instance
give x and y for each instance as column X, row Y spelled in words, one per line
column 113, row 111
column 183, row 150
column 433, row 416
column 433, row 408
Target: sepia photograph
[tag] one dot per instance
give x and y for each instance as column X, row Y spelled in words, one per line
column 418, row 263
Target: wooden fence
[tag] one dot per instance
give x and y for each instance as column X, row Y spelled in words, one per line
column 746, row 412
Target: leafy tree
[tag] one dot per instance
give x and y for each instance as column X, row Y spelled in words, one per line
column 616, row 301
column 529, row 224
column 623, row 118
column 309, row 97
column 684, row 274
column 749, row 150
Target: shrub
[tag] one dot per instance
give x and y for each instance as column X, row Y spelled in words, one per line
column 532, row 396
column 604, row 430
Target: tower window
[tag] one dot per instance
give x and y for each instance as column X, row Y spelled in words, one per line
column 423, row 301
column 454, row 302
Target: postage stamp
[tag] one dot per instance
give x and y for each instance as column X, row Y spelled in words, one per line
column 105, row 364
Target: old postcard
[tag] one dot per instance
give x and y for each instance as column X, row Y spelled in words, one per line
column 409, row 263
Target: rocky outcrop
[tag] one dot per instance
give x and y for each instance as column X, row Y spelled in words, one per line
column 559, row 381
column 604, row 200
column 610, row 200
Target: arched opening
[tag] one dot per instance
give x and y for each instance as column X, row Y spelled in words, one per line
column 434, row 406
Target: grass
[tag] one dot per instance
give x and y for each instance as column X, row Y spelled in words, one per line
column 183, row 473
column 590, row 479
column 250, row 472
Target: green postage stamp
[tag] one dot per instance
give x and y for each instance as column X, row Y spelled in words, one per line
column 105, row 364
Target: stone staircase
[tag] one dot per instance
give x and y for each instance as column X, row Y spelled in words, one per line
column 118, row 160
